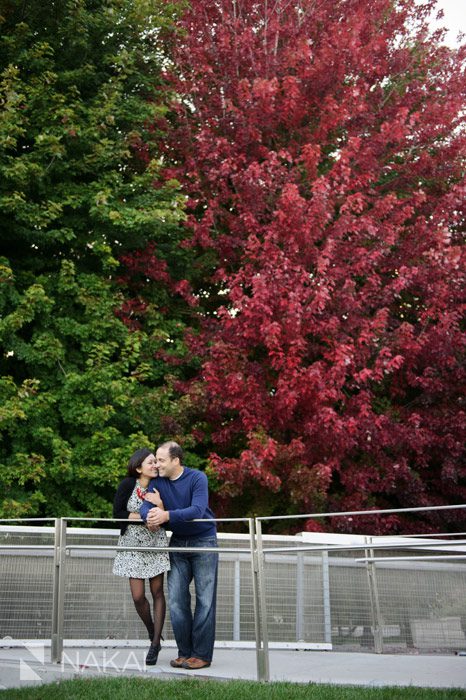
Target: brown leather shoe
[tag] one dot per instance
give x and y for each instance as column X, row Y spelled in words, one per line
column 194, row 663
column 178, row 663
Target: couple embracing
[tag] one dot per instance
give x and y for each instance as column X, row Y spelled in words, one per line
column 165, row 494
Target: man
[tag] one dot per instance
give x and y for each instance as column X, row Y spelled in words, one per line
column 185, row 497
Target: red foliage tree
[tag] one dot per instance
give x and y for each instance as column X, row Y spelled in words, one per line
column 321, row 147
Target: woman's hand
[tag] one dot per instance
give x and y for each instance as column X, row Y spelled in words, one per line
column 134, row 516
column 154, row 498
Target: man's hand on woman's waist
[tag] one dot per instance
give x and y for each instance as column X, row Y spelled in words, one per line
column 157, row 517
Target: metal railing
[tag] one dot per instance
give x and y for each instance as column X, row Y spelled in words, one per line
column 63, row 548
column 369, row 560
column 275, row 583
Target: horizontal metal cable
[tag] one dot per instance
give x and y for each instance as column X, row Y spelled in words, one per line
column 360, row 512
column 226, row 550
column 426, row 557
column 355, row 547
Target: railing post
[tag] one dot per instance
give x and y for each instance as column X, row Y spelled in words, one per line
column 255, row 596
column 263, row 671
column 237, row 602
column 326, row 598
column 300, row 597
column 374, row 600
column 58, row 590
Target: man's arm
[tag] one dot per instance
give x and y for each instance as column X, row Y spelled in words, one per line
column 196, row 509
column 147, row 505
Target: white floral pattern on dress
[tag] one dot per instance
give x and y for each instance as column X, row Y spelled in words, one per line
column 141, row 564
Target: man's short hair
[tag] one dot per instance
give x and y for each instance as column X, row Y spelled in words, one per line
column 174, row 450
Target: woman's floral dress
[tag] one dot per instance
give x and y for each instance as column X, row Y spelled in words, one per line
column 141, row 564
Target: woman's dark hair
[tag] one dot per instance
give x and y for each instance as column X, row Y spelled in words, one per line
column 136, row 460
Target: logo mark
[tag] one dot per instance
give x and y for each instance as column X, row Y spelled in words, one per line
column 26, row 672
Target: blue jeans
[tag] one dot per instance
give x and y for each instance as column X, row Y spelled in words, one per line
column 194, row 634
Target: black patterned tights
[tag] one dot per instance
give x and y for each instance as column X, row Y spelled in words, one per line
column 154, row 627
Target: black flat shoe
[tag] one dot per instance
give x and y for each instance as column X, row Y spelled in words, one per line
column 153, row 654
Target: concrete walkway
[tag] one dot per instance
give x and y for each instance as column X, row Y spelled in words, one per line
column 30, row 665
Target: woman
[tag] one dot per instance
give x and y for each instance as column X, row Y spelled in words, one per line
column 138, row 566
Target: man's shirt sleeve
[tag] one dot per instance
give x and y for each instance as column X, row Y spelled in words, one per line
column 146, row 506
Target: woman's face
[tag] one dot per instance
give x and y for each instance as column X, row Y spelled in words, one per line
column 148, row 467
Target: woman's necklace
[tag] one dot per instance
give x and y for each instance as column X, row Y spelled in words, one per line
column 141, row 491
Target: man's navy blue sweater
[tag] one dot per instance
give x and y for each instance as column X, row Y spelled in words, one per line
column 186, row 498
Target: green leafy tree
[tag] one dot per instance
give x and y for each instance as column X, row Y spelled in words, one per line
column 83, row 373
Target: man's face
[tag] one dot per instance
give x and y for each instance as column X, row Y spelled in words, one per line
column 167, row 467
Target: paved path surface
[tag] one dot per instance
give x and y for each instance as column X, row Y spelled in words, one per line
column 31, row 666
